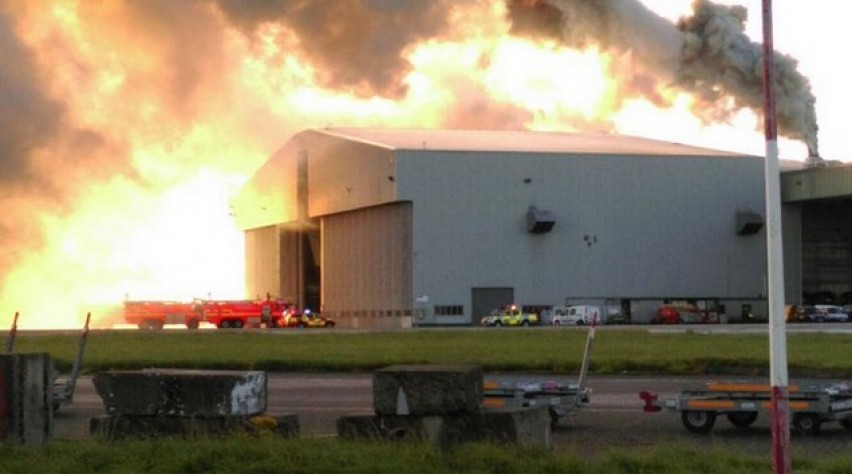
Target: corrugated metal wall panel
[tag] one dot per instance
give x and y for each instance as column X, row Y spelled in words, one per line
column 262, row 262
column 289, row 280
column 366, row 263
column 816, row 183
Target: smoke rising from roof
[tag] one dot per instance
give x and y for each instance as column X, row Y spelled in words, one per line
column 707, row 54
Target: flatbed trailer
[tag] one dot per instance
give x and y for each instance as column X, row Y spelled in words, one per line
column 559, row 395
column 560, row 398
column 811, row 403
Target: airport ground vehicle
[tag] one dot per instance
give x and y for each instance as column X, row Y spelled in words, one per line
column 510, row 316
column 832, row 313
column 811, row 403
column 153, row 315
column 576, row 315
column 245, row 313
column 671, row 314
column 305, row 319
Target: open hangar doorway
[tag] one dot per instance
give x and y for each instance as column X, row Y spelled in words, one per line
column 485, row 300
column 827, row 251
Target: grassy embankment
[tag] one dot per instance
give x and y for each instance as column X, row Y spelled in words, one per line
column 559, row 351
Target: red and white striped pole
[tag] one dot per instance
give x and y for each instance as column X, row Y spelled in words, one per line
column 775, row 263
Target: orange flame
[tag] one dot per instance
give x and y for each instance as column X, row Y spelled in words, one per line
column 167, row 107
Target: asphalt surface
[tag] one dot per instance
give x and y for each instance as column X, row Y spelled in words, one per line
column 613, row 417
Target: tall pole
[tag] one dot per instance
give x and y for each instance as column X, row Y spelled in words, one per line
column 775, row 262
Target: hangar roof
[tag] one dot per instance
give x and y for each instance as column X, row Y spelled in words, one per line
column 518, row 141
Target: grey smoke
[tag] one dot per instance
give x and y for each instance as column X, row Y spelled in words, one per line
column 355, row 45
column 707, row 54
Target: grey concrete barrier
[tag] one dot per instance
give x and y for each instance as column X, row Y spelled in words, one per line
column 141, row 426
column 521, row 426
column 182, row 393
column 427, row 389
column 26, row 398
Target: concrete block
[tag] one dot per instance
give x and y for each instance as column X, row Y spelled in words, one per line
column 427, row 389
column 528, row 426
column 182, row 393
column 141, row 426
column 26, row 398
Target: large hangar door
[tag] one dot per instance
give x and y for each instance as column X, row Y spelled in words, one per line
column 483, row 300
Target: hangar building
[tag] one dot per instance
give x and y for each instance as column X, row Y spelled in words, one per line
column 396, row 227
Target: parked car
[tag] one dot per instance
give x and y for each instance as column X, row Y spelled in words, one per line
column 510, row 316
column 576, row 315
column 832, row 313
column 306, row 319
column 809, row 314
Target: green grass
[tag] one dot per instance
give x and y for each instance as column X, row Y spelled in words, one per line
column 615, row 352
column 244, row 454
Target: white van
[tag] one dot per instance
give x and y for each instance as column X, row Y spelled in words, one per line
column 577, row 315
column 832, row 313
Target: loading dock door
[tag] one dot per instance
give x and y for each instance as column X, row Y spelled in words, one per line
column 483, row 300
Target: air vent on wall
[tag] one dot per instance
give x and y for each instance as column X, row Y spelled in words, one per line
column 539, row 221
column 748, row 223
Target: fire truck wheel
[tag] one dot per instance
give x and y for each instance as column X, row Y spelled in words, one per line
column 697, row 421
column 192, row 324
column 224, row 324
column 742, row 419
column 238, row 324
column 807, row 424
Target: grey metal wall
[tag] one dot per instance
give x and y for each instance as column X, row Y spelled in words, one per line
column 366, row 266
column 626, row 226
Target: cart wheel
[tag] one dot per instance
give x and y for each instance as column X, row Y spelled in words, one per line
column 807, row 424
column 742, row 419
column 698, row 421
column 497, row 323
column 525, row 323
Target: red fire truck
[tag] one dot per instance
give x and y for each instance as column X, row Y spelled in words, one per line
column 153, row 315
column 245, row 313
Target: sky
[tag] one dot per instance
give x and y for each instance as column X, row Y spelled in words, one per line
column 127, row 126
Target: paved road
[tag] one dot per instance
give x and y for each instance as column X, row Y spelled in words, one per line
column 614, row 417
